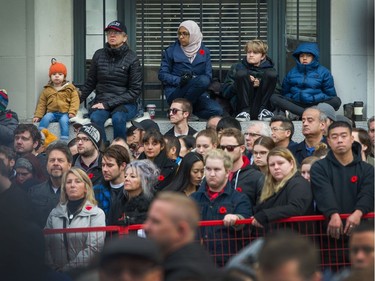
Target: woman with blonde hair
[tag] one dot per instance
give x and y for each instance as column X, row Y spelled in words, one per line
column 285, row 192
column 77, row 208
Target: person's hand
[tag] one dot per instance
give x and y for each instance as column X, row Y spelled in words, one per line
column 36, row 119
column 255, row 81
column 352, row 222
column 230, row 220
column 98, row 106
column 335, row 227
column 71, row 115
column 185, row 79
column 256, row 223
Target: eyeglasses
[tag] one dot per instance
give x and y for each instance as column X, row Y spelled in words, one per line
column 262, row 153
column 173, row 111
column 113, row 32
column 229, row 148
column 275, row 129
column 252, row 134
column 183, row 34
column 82, row 139
column 366, row 249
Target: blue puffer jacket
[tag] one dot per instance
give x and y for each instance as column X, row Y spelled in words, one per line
column 308, row 83
column 175, row 63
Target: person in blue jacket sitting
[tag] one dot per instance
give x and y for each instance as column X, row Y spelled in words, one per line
column 307, row 84
column 186, row 71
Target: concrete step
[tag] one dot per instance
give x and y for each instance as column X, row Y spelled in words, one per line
column 197, row 125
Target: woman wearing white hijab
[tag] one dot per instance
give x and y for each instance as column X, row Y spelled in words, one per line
column 186, row 71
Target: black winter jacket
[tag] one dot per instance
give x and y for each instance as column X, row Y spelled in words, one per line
column 167, row 169
column 127, row 211
column 116, row 77
column 294, row 199
column 44, row 199
column 343, row 189
column 94, row 172
column 8, row 123
column 249, row 181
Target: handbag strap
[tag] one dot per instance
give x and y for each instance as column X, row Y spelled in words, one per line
column 65, row 237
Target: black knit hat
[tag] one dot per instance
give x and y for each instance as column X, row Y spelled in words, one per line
column 93, row 133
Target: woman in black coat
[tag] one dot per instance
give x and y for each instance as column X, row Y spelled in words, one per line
column 285, row 192
column 154, row 150
column 131, row 206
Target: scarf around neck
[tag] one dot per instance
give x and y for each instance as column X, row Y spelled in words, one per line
column 195, row 39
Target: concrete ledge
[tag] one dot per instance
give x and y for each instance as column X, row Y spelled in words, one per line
column 165, row 126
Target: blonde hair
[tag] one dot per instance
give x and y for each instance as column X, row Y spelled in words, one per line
column 80, row 174
column 221, row 155
column 257, row 46
column 271, row 186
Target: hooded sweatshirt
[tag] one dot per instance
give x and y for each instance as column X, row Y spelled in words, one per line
column 343, row 189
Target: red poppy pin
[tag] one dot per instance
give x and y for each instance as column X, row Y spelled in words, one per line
column 354, row 179
column 201, row 51
column 91, row 175
column 8, row 115
column 161, row 178
column 239, row 189
column 223, row 210
column 88, row 208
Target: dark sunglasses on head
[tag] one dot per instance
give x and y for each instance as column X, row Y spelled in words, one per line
column 173, row 111
column 229, row 148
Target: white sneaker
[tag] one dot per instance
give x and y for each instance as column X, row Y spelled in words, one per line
column 243, row 116
column 265, row 115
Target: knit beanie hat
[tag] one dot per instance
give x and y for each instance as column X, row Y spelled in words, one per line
column 3, row 100
column 48, row 137
column 24, row 163
column 57, row 67
column 93, row 133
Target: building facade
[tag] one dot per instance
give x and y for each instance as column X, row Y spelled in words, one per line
column 34, row 31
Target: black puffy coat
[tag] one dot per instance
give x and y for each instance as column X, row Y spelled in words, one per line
column 116, row 77
column 8, row 123
column 127, row 211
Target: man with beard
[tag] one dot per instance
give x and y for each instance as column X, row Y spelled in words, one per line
column 114, row 161
column 242, row 176
column 89, row 157
column 217, row 200
column 9, row 158
column 46, row 195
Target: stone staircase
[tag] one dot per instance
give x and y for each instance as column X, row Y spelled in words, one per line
column 197, row 125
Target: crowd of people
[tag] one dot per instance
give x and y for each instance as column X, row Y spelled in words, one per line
column 170, row 182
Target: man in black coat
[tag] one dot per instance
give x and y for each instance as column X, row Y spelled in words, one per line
column 342, row 183
column 116, row 76
column 172, row 222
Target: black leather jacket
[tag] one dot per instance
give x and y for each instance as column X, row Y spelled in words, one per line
column 116, row 77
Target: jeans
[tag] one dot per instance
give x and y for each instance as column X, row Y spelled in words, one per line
column 63, row 119
column 120, row 115
column 195, row 91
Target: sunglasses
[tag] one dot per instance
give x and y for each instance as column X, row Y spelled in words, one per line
column 229, row 148
column 173, row 111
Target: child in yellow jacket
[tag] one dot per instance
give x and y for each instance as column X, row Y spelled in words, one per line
column 59, row 101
